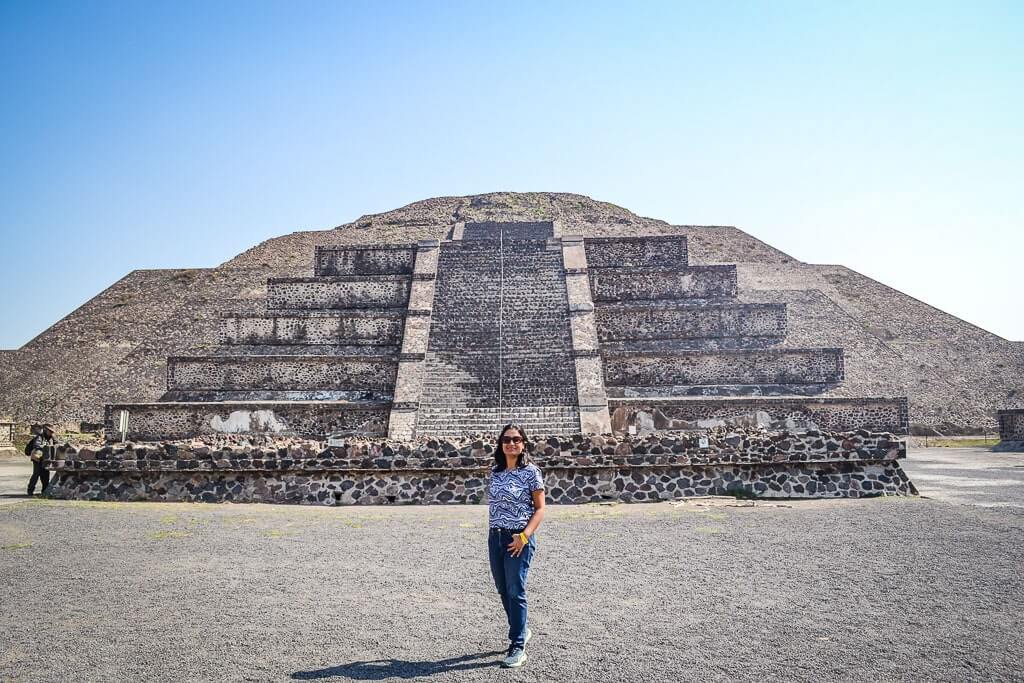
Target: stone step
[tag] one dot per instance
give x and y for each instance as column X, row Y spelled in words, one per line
column 365, row 259
column 281, row 373
column 314, row 327
column 772, row 412
column 636, row 252
column 724, row 367
column 618, row 322
column 306, row 419
column 704, row 283
column 339, row 292
column 364, row 350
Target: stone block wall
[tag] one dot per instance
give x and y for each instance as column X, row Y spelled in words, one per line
column 314, row 328
column 1011, row 425
column 634, row 321
column 281, row 373
column 644, row 284
column 577, row 470
column 725, row 367
column 364, row 259
column 519, row 230
column 305, row 419
column 775, row 413
column 637, row 252
column 339, row 292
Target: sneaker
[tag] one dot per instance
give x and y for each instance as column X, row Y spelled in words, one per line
column 516, row 658
column 529, row 634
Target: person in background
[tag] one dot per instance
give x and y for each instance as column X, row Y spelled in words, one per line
column 515, row 510
column 41, row 448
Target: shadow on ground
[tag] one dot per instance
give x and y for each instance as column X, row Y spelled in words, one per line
column 383, row 669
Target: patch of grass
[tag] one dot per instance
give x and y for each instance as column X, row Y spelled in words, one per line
column 709, row 530
column 278, row 533
column 16, row 546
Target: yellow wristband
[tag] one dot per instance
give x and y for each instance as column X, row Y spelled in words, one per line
column 524, row 538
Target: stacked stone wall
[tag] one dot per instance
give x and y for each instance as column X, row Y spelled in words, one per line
column 637, row 252
column 725, row 367
column 306, row 419
column 577, row 470
column 339, row 292
column 518, row 230
column 378, row 259
column 826, row 414
column 635, row 321
column 645, row 284
column 314, row 328
column 1011, row 425
column 281, row 373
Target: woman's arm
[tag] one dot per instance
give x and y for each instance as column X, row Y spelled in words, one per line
column 538, row 513
column 517, row 545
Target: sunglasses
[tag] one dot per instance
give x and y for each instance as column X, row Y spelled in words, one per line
column 511, row 439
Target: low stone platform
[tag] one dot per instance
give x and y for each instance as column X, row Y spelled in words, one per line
column 578, row 469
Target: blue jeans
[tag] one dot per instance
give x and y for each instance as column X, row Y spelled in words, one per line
column 510, row 579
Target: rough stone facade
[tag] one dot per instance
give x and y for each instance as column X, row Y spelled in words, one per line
column 309, row 419
column 365, row 259
column 637, row 252
column 643, row 284
column 577, row 470
column 1011, row 430
column 342, row 291
column 826, row 414
column 7, row 434
column 724, row 367
column 281, row 373
column 706, row 324
column 1011, row 425
column 314, row 327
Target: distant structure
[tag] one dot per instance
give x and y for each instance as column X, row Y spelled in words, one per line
column 1011, row 430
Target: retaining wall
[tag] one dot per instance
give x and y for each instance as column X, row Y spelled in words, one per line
column 577, row 470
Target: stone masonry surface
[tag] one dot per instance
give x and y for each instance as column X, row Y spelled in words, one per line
column 308, row 419
column 755, row 367
column 281, row 373
column 578, row 469
column 637, row 252
column 314, row 327
column 828, row 414
column 367, row 259
column 356, row 291
column 1011, row 425
column 640, row 284
column 500, row 346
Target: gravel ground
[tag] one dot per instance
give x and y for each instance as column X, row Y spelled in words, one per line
column 879, row 589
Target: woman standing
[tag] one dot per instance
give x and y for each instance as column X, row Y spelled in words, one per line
column 516, row 494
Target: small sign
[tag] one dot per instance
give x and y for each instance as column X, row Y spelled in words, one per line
column 702, row 442
column 123, row 425
column 632, row 429
column 335, row 441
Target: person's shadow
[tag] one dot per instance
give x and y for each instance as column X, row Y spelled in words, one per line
column 379, row 669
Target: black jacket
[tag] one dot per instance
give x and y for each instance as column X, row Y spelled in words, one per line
column 40, row 443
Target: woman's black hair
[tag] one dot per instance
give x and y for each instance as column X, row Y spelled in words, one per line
column 499, row 454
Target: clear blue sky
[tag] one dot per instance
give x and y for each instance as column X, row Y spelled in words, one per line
column 888, row 137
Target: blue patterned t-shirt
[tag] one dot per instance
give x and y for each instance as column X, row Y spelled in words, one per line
column 511, row 496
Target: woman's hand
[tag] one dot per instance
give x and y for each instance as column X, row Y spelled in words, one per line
column 515, row 548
